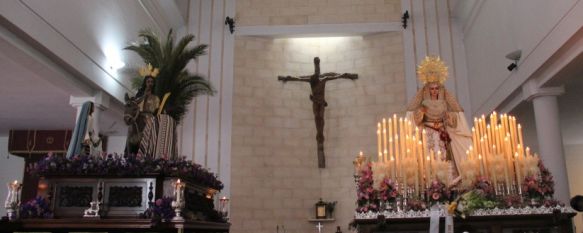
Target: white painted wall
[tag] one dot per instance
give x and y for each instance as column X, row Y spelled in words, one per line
column 205, row 132
column 11, row 168
column 431, row 31
column 116, row 144
column 498, row 27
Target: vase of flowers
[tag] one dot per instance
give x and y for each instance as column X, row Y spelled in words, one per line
column 437, row 192
column 330, row 206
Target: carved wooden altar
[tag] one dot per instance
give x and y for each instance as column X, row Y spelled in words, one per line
column 111, row 225
column 124, row 201
column 543, row 223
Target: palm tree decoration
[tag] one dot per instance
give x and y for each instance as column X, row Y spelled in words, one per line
column 171, row 60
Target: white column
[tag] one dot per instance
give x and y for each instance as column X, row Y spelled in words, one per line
column 100, row 104
column 548, row 130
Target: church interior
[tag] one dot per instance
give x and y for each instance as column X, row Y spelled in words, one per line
column 257, row 133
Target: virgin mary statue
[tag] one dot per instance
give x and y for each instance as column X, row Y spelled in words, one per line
column 437, row 111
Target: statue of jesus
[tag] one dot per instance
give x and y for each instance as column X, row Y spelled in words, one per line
column 318, row 85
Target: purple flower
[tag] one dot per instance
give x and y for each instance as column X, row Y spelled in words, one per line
column 36, row 208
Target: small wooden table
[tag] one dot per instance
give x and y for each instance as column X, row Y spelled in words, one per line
column 558, row 222
column 111, row 225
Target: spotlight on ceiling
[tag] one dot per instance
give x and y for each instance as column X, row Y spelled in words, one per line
column 514, row 56
column 512, row 66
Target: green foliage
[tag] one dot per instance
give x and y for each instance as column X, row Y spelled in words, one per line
column 470, row 201
column 173, row 78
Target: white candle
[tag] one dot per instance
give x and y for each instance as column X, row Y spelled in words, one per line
column 385, row 138
column 179, row 186
column 380, row 147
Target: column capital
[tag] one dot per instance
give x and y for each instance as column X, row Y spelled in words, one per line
column 100, row 100
column 530, row 91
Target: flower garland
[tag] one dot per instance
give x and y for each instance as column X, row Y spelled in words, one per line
column 123, row 165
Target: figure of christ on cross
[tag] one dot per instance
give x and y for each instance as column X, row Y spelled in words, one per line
column 318, row 84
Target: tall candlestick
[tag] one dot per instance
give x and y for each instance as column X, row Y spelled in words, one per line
column 12, row 202
column 385, row 139
column 394, row 164
column 484, row 155
column 178, row 202
column 380, row 147
column 431, row 160
column 396, row 145
column 518, row 176
column 390, row 137
column 489, row 139
column 520, row 140
column 481, row 161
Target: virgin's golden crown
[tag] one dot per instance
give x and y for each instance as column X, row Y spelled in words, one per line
column 432, row 69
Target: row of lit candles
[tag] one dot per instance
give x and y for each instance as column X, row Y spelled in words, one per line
column 499, row 141
column 497, row 150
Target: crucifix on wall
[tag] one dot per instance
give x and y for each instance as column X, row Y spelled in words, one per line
column 318, row 85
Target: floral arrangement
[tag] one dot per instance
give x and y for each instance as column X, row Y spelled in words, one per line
column 161, row 209
column 539, row 187
column 388, row 190
column 469, row 202
column 514, row 201
column 485, row 187
column 36, row 208
column 416, row 205
column 551, row 202
column 366, row 195
column 124, row 165
column 438, row 192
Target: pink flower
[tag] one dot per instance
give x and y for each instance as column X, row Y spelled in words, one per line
column 436, row 196
column 394, row 194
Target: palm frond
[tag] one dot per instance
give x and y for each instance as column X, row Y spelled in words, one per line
column 172, row 59
column 137, row 82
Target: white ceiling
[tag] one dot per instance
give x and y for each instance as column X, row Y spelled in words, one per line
column 50, row 51
column 31, row 99
column 27, row 100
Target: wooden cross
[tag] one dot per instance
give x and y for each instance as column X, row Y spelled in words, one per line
column 319, row 226
column 318, row 84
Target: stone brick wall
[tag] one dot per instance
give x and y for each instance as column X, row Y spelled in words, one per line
column 299, row 12
column 275, row 179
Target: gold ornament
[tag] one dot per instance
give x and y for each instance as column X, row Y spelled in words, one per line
column 432, row 69
column 149, row 71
